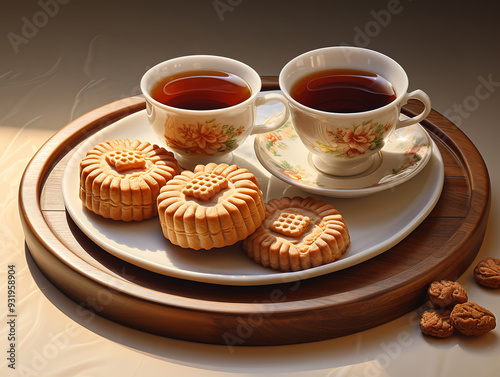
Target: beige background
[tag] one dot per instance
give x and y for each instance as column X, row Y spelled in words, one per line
column 59, row 60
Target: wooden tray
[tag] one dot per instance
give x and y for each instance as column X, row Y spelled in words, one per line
column 337, row 304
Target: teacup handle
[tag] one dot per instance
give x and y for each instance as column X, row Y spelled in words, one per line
column 275, row 122
column 421, row 96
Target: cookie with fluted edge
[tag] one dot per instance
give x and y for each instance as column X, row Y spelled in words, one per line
column 121, row 179
column 298, row 234
column 215, row 205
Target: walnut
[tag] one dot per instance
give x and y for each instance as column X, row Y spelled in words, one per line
column 436, row 323
column 472, row 319
column 487, row 272
column 446, row 294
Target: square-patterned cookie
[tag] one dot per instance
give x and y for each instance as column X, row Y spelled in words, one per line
column 297, row 234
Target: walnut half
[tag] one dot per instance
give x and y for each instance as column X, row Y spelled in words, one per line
column 487, row 272
column 446, row 294
column 472, row 319
column 436, row 323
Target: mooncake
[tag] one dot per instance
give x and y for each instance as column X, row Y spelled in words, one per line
column 121, row 179
column 215, row 205
column 297, row 234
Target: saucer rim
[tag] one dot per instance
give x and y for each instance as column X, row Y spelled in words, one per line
column 344, row 192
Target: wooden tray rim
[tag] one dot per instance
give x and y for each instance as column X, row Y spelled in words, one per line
column 68, row 137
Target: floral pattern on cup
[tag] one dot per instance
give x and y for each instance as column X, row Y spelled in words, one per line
column 355, row 141
column 208, row 138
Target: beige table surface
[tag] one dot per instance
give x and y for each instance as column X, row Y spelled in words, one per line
column 60, row 59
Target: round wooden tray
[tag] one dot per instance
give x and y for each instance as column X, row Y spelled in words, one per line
column 337, row 304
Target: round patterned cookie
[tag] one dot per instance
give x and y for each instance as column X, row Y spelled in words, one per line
column 298, row 234
column 212, row 206
column 121, row 179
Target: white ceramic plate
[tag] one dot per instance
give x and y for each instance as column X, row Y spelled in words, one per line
column 376, row 222
column 404, row 155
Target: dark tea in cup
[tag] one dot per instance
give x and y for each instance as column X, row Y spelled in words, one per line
column 203, row 107
column 344, row 104
column 201, row 90
column 343, row 91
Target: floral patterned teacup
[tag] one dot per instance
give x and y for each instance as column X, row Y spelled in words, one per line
column 204, row 136
column 345, row 144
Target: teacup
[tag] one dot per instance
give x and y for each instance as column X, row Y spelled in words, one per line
column 199, row 136
column 346, row 143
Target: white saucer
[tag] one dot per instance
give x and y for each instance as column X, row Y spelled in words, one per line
column 405, row 154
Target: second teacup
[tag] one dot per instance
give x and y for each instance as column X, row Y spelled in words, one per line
column 203, row 106
column 344, row 103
